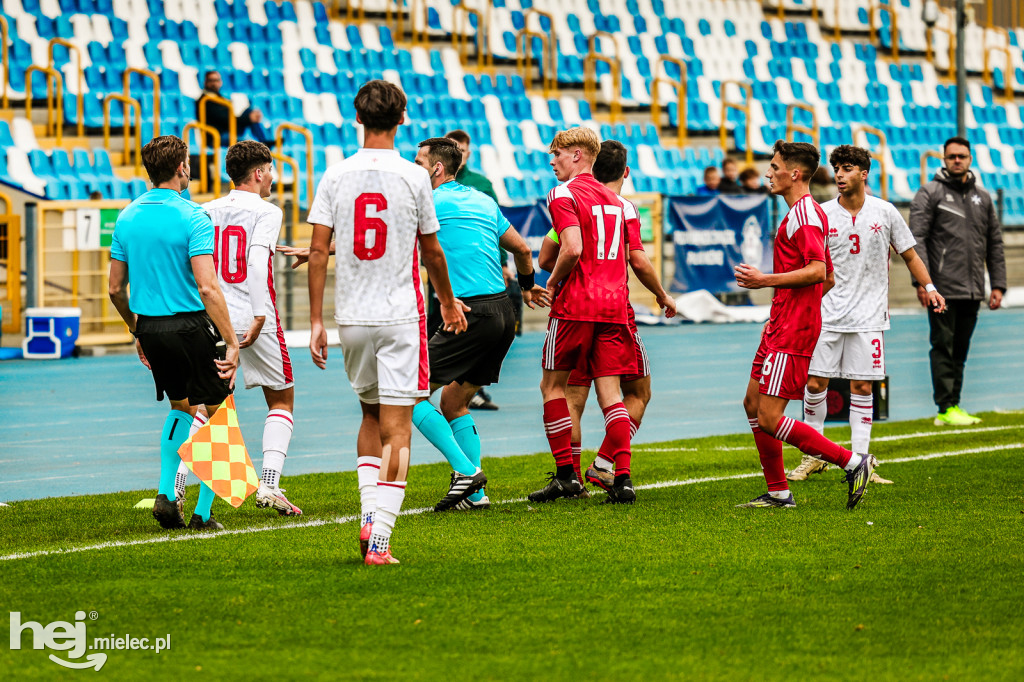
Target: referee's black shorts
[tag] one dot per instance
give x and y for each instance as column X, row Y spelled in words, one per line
column 181, row 350
column 475, row 356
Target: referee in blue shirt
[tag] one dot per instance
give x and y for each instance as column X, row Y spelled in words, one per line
column 163, row 282
column 473, row 232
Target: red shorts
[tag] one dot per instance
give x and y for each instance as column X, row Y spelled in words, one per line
column 780, row 374
column 601, row 349
column 643, row 369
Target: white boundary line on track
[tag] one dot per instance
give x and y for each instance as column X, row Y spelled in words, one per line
column 408, row 512
column 881, row 439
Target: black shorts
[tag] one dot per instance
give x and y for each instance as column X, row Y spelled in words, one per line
column 181, row 350
column 475, row 356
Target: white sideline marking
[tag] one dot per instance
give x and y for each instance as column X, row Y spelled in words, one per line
column 881, row 439
column 408, row 512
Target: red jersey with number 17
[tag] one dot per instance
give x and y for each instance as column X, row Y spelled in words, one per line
column 596, row 289
column 795, row 322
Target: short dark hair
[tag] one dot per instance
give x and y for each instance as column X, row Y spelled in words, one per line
column 445, row 150
column 244, row 157
column 380, row 105
column 206, row 76
column 803, row 155
column 747, row 173
column 726, row 161
column 849, row 154
column 161, row 157
column 956, row 140
column 459, row 136
column 610, row 164
column 709, row 170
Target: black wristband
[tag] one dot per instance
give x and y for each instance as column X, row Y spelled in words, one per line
column 525, row 281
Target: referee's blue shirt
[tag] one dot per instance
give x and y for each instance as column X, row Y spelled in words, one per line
column 157, row 235
column 471, row 224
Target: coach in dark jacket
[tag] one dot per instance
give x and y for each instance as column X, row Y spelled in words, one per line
column 958, row 236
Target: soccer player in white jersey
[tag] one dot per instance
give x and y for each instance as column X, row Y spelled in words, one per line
column 246, row 231
column 379, row 207
column 855, row 312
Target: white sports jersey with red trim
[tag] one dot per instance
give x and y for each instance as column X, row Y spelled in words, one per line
column 795, row 321
column 859, row 246
column 243, row 220
column 378, row 204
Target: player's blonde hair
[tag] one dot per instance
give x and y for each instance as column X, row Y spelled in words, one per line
column 584, row 138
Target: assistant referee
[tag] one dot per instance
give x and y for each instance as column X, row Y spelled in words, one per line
column 163, row 282
column 473, row 232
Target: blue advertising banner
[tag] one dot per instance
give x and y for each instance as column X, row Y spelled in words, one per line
column 712, row 235
column 533, row 223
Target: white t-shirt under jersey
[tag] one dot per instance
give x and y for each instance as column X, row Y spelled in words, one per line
column 859, row 302
column 244, row 220
column 378, row 204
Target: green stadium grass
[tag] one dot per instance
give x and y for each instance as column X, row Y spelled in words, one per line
column 922, row 581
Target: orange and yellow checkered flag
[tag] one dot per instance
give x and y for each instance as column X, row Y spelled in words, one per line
column 217, row 455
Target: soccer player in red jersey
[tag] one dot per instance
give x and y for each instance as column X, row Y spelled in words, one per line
column 802, row 274
column 588, row 326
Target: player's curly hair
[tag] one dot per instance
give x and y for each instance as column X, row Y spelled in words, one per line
column 161, row 157
column 802, row 155
column 244, row 157
column 848, row 154
column 584, row 138
column 445, row 150
column 380, row 105
column 610, row 164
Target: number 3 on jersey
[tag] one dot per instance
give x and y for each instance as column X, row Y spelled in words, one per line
column 600, row 215
column 371, row 233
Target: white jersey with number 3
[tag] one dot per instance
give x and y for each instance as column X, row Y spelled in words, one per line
column 378, row 204
column 243, row 220
column 859, row 246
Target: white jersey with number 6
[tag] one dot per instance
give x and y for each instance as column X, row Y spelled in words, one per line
column 859, row 302
column 378, row 204
column 243, row 220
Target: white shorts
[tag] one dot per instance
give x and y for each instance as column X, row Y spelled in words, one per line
column 387, row 364
column 849, row 355
column 266, row 362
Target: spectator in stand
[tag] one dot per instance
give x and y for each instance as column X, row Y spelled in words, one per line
column 750, row 181
column 712, row 179
column 217, row 115
column 730, row 177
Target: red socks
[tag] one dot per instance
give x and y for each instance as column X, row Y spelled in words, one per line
column 558, row 427
column 616, row 440
column 769, row 449
column 810, row 442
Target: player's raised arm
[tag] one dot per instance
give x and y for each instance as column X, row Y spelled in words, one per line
column 514, row 243
column 205, row 273
column 927, row 293
column 258, row 264
column 452, row 310
column 644, row 271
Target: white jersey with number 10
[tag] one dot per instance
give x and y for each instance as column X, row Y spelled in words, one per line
column 378, row 204
column 243, row 220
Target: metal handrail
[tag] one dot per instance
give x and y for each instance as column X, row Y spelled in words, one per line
column 951, row 34
column 461, row 42
column 876, row 5
column 204, row 170
column 745, row 108
column 54, row 98
column 590, row 81
column 305, row 132
column 524, row 58
column 877, row 156
column 930, row 154
column 282, row 160
column 128, row 103
column 1008, row 72
column 232, row 123
column 551, row 52
column 145, row 73
column 54, row 42
column 680, row 86
column 836, row 32
column 5, row 31
column 350, row 11
column 814, row 131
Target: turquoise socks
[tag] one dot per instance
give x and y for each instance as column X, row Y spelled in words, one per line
column 174, row 434
column 468, row 438
column 435, row 429
column 205, row 502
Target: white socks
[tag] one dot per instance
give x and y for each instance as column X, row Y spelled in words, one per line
column 179, row 479
column 815, row 409
column 277, row 434
column 861, row 412
column 390, row 495
column 368, row 471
